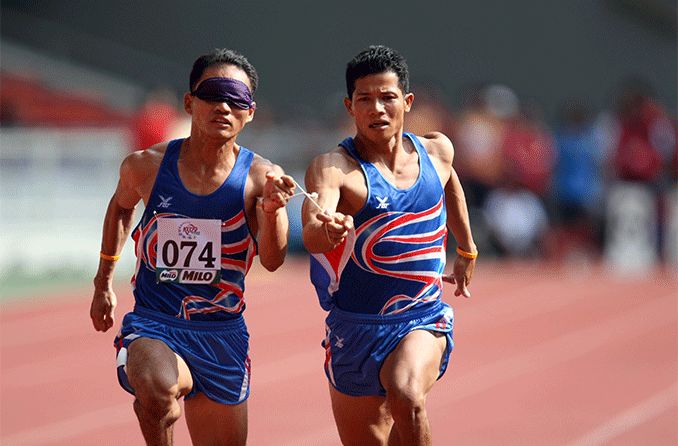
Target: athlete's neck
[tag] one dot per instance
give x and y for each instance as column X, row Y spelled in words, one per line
column 205, row 155
column 385, row 151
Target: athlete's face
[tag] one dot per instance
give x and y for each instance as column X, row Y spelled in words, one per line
column 218, row 120
column 378, row 106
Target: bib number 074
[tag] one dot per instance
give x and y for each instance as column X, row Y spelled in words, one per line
column 171, row 252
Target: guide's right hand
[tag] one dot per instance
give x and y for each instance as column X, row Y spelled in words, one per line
column 337, row 226
column 103, row 309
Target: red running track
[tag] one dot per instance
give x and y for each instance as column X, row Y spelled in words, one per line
column 544, row 355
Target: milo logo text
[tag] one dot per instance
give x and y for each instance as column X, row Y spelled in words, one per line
column 192, row 276
column 168, row 275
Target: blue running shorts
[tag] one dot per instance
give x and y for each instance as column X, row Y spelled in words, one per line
column 357, row 344
column 216, row 352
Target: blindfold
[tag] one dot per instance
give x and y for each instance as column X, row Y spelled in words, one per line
column 225, row 89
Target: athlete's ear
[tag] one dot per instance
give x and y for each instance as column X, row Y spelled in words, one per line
column 409, row 98
column 188, row 102
column 349, row 105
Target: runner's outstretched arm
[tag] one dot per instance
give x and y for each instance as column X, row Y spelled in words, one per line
column 324, row 227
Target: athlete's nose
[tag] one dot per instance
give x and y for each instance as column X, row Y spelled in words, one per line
column 223, row 107
column 378, row 107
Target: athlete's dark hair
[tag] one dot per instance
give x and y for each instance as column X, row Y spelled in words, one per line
column 222, row 56
column 374, row 60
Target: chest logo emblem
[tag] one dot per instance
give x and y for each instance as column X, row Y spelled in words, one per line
column 383, row 203
column 165, row 202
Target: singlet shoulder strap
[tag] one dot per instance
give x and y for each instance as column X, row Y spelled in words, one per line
column 349, row 146
column 425, row 163
column 418, row 146
column 242, row 166
column 171, row 155
column 168, row 166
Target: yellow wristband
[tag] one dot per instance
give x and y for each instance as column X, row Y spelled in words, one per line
column 468, row 255
column 109, row 258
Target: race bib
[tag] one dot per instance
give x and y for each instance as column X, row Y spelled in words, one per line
column 189, row 251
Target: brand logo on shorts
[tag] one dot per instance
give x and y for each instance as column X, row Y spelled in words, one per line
column 168, row 275
column 339, row 343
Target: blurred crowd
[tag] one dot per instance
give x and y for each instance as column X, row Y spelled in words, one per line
column 539, row 191
column 536, row 187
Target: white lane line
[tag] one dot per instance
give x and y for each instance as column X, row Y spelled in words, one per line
column 266, row 374
column 534, row 299
column 630, row 418
column 564, row 348
column 59, row 368
column 44, row 328
column 73, row 427
column 540, row 357
column 54, row 369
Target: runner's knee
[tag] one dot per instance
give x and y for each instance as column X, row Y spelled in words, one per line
column 156, row 395
column 406, row 402
column 163, row 411
column 153, row 372
column 156, row 391
column 154, row 384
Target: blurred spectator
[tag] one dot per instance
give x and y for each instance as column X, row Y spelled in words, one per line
column 647, row 136
column 478, row 139
column 528, row 151
column 429, row 112
column 517, row 220
column 577, row 183
column 640, row 168
column 156, row 120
